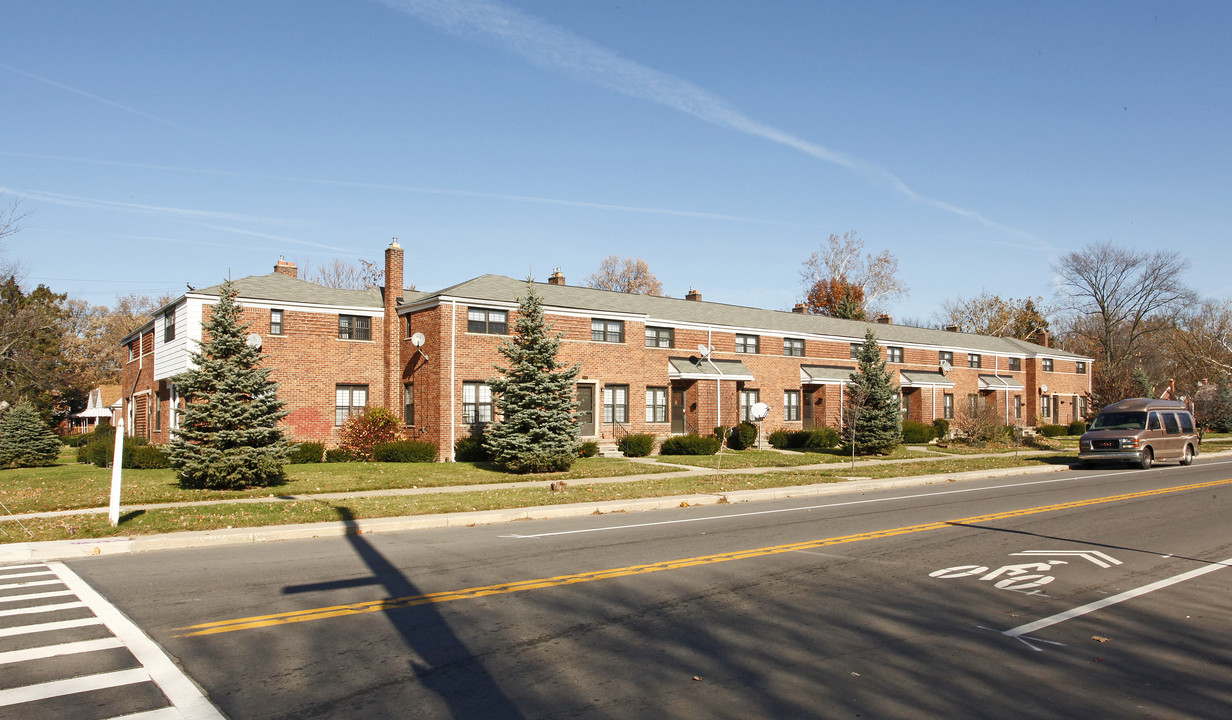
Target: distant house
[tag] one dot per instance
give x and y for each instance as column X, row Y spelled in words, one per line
column 104, row 403
column 648, row 364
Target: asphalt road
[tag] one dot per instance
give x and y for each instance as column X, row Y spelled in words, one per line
column 1093, row 593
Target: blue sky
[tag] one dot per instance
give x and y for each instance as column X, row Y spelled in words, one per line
column 156, row 144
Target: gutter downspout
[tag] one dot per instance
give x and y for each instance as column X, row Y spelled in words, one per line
column 453, row 390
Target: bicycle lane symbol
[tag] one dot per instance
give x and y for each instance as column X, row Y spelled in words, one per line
column 1023, row 577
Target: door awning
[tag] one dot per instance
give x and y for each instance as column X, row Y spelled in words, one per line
column 999, row 382
column 697, row 368
column 916, row 378
column 825, row 375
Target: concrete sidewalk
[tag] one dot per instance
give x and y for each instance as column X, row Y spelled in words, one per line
column 72, row 549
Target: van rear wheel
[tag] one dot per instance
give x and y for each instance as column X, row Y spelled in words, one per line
column 1146, row 459
column 1187, row 456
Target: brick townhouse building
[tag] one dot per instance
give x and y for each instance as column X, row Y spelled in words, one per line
column 648, row 364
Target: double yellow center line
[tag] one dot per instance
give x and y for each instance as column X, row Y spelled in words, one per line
column 297, row 616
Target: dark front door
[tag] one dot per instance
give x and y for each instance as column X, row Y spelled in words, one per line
column 678, row 421
column 586, row 410
column 806, row 408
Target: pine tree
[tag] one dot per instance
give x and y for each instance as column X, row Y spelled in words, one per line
column 873, row 422
column 25, row 438
column 228, row 435
column 537, row 426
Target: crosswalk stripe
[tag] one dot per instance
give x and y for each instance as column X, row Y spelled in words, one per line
column 34, row 610
column 58, row 688
column 50, row 651
column 167, row 713
column 48, row 627
column 35, row 596
column 29, row 583
column 10, row 576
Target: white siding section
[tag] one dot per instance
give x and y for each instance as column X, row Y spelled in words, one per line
column 171, row 358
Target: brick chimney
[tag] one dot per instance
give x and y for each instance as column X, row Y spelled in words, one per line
column 693, row 294
column 392, row 335
column 1041, row 338
column 283, row 267
column 951, row 328
column 883, row 319
column 557, row 277
column 798, row 309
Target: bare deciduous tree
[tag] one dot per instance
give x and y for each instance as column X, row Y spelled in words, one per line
column 843, row 261
column 1201, row 342
column 343, row 275
column 988, row 314
column 627, row 275
column 1116, row 300
column 10, row 224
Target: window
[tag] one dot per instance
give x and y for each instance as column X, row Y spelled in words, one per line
column 946, row 357
column 1015, row 364
column 1080, row 368
column 748, row 398
column 158, row 413
column 855, row 351
column 349, row 400
column 1047, row 364
column 173, row 406
column 169, row 325
column 793, row 347
column 660, row 337
column 656, row 405
column 1017, row 407
column 476, row 403
column 948, row 410
column 746, row 344
column 408, row 404
column 275, row 322
column 894, row 354
column 489, row 322
column 1045, row 406
column 973, row 404
column 1186, row 421
column 132, row 351
column 791, row 405
column 973, row 360
column 612, row 331
column 616, row 404
column 354, row 327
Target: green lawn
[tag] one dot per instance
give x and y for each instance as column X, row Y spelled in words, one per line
column 732, row 459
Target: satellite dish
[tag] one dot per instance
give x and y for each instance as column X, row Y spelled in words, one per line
column 418, row 339
column 253, row 340
column 703, row 350
column 1043, row 389
column 946, row 366
column 759, row 411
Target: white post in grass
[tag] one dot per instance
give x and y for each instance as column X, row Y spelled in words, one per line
column 117, row 462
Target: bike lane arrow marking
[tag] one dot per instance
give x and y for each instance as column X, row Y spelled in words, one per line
column 1103, row 560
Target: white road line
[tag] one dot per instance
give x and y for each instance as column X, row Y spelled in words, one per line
column 49, row 651
column 183, row 693
column 49, row 627
column 24, row 567
column 1127, row 595
column 34, row 610
column 10, row 576
column 56, row 688
column 29, row 583
column 35, row 596
column 167, row 713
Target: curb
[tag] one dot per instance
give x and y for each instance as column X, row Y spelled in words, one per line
column 57, row 550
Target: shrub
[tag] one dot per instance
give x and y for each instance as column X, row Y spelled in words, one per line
column 147, row 457
column 307, row 452
column 917, row 432
column 1052, row 430
column 780, row 439
column 470, row 449
column 941, row 428
column 405, row 451
column 636, row 444
column 83, row 454
column 1077, row 427
column 742, row 436
column 588, row 448
column 821, row 439
column 101, row 449
column 76, row 441
column 692, row 444
column 339, row 455
column 375, row 425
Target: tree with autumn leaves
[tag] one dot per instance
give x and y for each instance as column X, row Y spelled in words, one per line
column 841, row 280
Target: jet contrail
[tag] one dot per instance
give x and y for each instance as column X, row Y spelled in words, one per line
column 96, row 98
column 553, row 48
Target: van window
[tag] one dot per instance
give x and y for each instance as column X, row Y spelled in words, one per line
column 1170, row 424
column 1119, row 421
column 1186, row 422
column 1153, row 423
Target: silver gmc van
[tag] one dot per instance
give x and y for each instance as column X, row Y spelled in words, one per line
column 1140, row 431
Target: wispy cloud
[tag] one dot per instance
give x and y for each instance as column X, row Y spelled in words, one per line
column 413, row 189
column 556, row 49
column 96, row 98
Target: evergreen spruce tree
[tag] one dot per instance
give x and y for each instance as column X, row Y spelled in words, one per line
column 874, row 423
column 228, row 435
column 537, row 426
column 25, row 438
